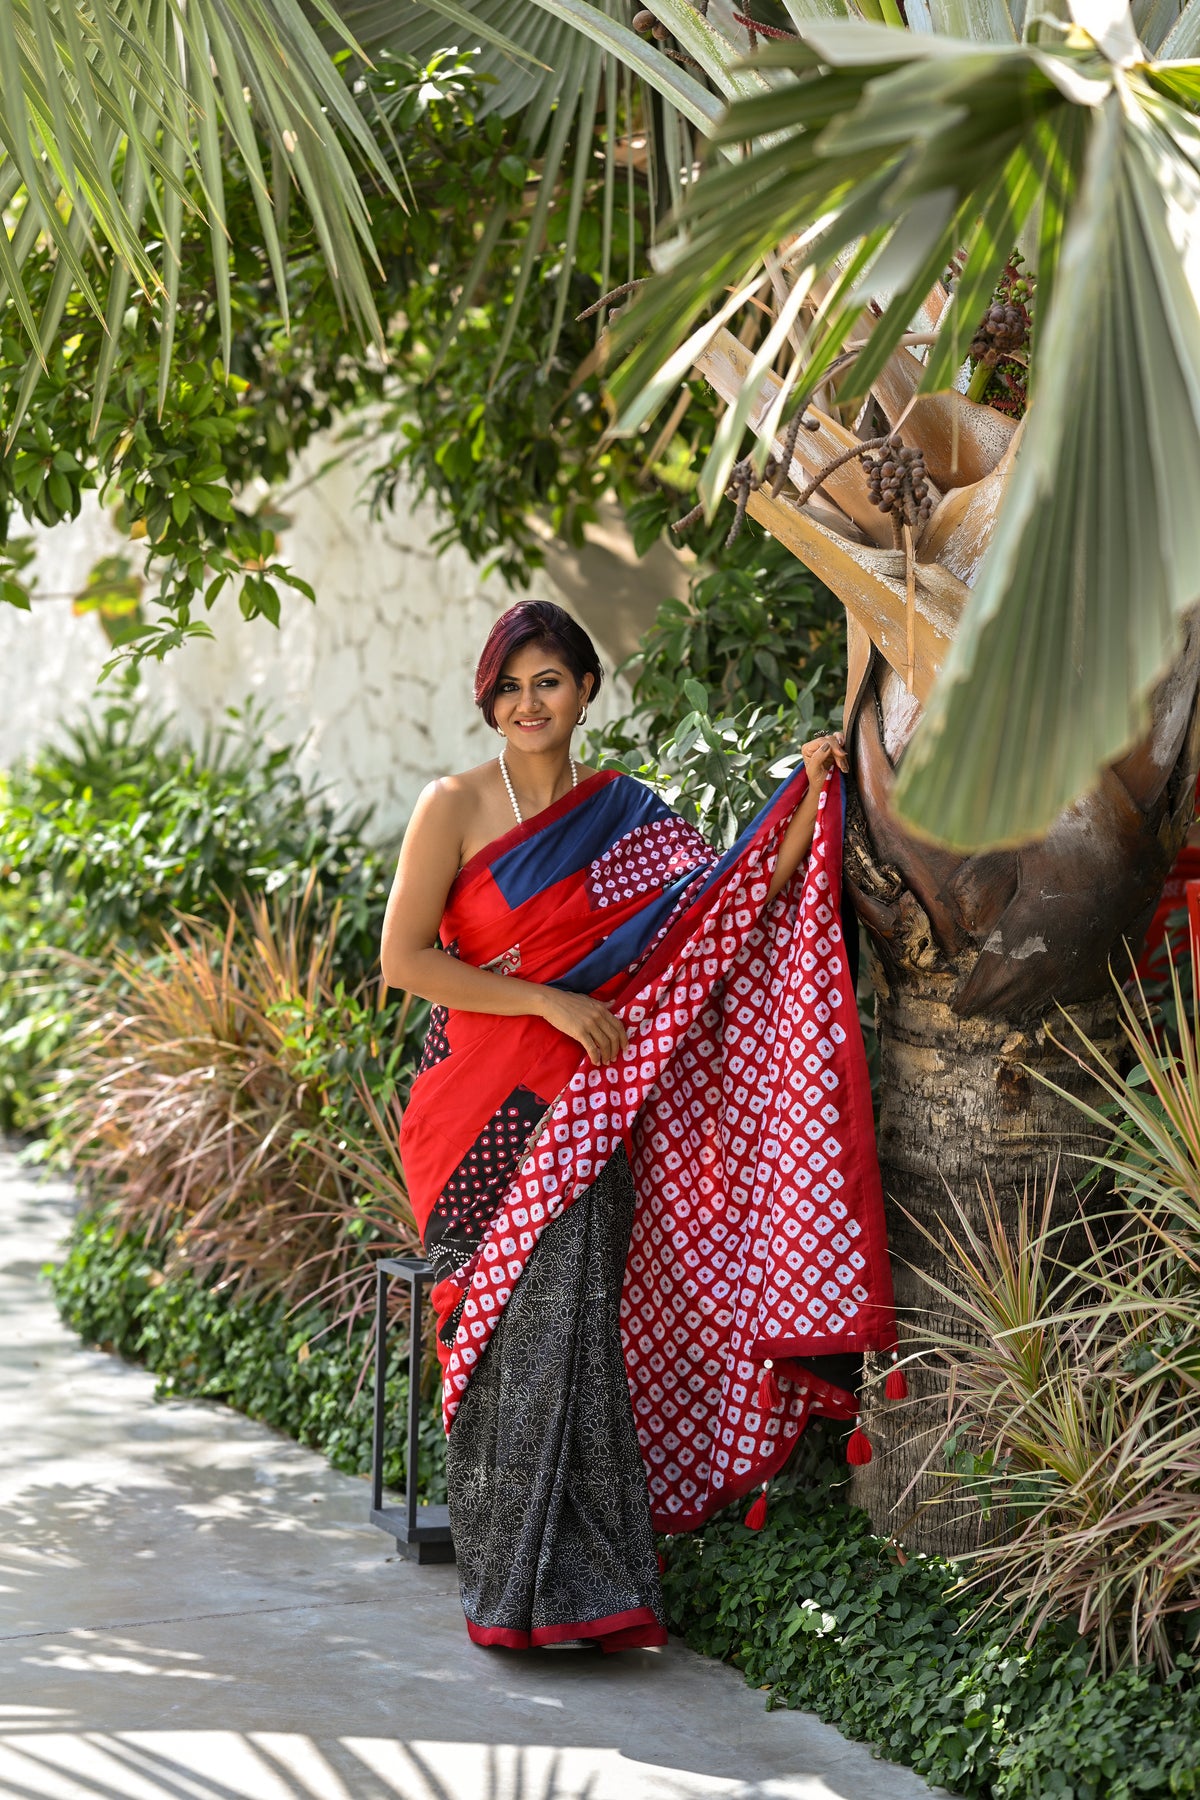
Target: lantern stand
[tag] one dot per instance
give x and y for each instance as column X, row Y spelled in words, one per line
column 422, row 1533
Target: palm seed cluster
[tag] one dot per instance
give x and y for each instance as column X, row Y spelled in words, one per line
column 1003, row 330
column 897, row 484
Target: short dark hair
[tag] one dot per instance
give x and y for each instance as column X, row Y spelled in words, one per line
column 534, row 622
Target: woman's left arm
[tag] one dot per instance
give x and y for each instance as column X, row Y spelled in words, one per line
column 820, row 755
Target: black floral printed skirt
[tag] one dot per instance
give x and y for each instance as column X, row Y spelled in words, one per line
column 548, row 1502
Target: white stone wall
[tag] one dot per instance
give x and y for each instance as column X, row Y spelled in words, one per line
column 374, row 680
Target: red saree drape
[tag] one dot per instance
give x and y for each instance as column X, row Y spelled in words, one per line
column 742, row 1100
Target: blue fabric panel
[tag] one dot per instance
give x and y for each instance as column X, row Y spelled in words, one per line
column 576, row 840
column 628, row 943
column 624, row 946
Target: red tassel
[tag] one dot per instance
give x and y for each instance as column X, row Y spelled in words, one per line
column 768, row 1389
column 756, row 1518
column 896, row 1385
column 858, row 1449
column 662, row 1562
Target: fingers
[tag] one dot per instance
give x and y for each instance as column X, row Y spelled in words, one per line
column 612, row 1036
column 824, row 753
column 602, row 1035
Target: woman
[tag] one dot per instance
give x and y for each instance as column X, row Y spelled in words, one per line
column 639, row 1148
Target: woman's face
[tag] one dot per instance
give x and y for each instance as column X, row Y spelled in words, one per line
column 538, row 700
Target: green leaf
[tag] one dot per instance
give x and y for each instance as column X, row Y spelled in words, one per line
column 87, row 87
column 214, row 501
column 1095, row 560
column 14, row 594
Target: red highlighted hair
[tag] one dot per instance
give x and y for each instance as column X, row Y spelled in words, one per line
column 534, row 622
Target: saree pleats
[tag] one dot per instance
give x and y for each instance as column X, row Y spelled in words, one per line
column 548, row 1501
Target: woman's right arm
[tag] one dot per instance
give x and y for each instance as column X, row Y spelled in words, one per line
column 412, row 959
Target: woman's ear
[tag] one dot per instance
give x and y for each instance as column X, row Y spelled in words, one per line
column 587, row 683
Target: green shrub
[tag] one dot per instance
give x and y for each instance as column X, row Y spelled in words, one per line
column 730, row 680
column 229, row 1098
column 121, row 827
column 111, row 834
column 753, row 619
column 289, row 1370
column 828, row 1618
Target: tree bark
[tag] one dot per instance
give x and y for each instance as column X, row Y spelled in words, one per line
column 960, row 1104
column 971, row 960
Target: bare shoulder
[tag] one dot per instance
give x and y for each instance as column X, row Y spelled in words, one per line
column 448, row 809
column 455, row 799
column 441, row 812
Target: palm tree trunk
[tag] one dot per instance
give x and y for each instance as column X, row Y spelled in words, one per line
column 971, row 959
column 960, row 1104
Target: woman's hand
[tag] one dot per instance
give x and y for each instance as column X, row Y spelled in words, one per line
column 822, row 754
column 586, row 1020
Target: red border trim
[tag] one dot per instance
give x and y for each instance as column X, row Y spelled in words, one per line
column 622, row 1622
column 637, row 1629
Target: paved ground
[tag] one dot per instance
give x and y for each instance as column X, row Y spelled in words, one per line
column 191, row 1608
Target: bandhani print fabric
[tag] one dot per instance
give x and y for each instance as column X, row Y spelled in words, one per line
column 742, row 1102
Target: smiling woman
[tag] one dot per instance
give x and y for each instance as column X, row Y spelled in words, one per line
column 639, row 1148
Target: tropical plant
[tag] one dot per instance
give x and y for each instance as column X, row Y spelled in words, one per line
column 1075, row 1397
column 215, row 1099
column 118, row 121
column 860, row 222
column 112, row 829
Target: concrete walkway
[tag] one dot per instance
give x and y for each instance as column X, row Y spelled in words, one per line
column 191, row 1608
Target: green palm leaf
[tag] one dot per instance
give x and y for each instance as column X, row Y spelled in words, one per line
column 112, row 120
column 560, row 64
column 909, row 149
column 1078, row 612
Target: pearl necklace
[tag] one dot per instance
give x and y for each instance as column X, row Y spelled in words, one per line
column 509, row 786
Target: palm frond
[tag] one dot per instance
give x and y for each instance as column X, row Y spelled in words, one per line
column 886, row 158
column 1078, row 614
column 115, row 116
column 560, row 65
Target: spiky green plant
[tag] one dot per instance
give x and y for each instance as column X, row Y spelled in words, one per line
column 1074, row 1390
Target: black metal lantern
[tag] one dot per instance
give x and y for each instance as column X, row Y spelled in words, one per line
column 421, row 1532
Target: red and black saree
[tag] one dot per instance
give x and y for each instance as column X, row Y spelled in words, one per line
column 641, row 1266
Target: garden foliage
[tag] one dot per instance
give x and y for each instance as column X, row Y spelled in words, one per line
column 184, row 463
column 731, row 679
column 833, row 1620
column 117, row 830
column 1075, row 1385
